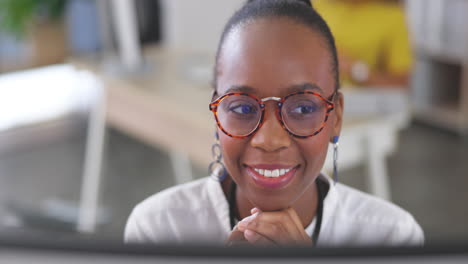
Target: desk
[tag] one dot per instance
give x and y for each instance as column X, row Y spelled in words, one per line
column 169, row 110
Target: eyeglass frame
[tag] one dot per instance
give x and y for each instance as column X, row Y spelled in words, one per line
column 213, row 107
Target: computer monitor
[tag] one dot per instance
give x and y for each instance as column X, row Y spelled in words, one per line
column 24, row 249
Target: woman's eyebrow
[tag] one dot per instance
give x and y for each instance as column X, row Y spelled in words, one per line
column 303, row 87
column 240, row 88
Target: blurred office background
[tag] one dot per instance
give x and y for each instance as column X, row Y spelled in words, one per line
column 104, row 103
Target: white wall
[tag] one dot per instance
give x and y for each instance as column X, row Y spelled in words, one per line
column 195, row 25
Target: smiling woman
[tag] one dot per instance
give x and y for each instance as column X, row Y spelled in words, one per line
column 277, row 106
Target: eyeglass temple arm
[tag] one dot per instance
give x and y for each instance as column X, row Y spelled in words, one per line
column 332, row 97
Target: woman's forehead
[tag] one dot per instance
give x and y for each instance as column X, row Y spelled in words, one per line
column 268, row 55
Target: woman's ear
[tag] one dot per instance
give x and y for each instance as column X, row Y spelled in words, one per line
column 337, row 120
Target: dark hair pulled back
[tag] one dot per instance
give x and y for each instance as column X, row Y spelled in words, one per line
column 300, row 11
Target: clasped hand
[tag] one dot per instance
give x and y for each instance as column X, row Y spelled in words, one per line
column 279, row 228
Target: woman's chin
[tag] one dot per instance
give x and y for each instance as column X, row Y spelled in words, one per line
column 271, row 204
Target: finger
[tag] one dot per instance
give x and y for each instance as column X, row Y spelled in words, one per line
column 277, row 222
column 294, row 218
column 258, row 239
column 255, row 210
column 292, row 213
column 236, row 234
column 236, row 237
column 244, row 222
column 279, row 232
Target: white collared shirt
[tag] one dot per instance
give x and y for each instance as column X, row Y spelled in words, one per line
column 199, row 212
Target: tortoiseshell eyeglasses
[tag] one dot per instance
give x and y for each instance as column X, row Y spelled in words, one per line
column 303, row 114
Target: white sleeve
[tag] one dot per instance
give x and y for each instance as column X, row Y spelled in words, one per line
column 409, row 234
column 134, row 229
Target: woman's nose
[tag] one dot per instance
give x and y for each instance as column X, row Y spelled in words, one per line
column 271, row 136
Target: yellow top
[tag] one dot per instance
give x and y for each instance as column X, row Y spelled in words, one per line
column 374, row 32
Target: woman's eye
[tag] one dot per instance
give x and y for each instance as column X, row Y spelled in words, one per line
column 242, row 109
column 304, row 109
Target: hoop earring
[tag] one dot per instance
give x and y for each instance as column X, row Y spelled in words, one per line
column 335, row 159
column 216, row 168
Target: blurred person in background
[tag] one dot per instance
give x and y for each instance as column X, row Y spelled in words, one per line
column 372, row 41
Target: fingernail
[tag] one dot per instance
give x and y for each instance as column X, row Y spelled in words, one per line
column 254, row 210
column 241, row 226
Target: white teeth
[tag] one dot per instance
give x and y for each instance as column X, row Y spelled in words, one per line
column 275, row 173
column 272, row 173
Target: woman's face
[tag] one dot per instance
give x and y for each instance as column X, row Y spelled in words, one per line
column 272, row 57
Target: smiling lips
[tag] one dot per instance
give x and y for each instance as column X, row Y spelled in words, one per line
column 272, row 176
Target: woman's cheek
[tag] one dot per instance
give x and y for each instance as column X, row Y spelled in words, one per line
column 314, row 151
column 232, row 149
